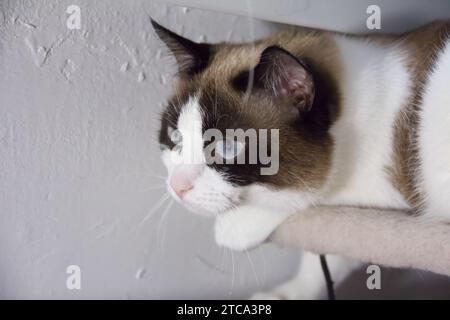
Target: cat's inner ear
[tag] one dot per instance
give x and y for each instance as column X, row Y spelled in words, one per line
column 285, row 79
column 191, row 57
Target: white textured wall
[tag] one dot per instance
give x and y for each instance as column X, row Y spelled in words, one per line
column 79, row 164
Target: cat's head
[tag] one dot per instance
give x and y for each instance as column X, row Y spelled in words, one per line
column 243, row 118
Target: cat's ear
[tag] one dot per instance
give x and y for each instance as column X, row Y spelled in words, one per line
column 191, row 57
column 285, row 79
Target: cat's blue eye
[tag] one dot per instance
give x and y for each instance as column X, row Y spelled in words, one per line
column 229, row 148
column 175, row 136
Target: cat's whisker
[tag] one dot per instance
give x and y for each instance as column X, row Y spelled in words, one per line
column 233, row 274
column 222, row 262
column 152, row 174
column 160, row 225
column 152, row 188
column 171, row 122
column 161, row 201
column 138, row 173
column 252, row 266
column 263, row 257
column 233, row 271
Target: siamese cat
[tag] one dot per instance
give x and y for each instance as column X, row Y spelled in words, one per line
column 361, row 120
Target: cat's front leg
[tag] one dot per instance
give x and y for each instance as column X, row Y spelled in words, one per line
column 246, row 227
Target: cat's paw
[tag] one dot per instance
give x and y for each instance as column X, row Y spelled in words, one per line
column 245, row 227
column 233, row 232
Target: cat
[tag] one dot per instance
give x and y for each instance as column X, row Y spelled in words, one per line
column 363, row 120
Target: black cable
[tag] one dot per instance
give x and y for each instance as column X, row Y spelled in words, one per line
column 328, row 280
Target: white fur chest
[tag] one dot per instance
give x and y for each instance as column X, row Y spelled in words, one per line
column 434, row 139
column 375, row 86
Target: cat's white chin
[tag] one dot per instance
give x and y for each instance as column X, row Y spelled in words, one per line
column 198, row 210
column 201, row 210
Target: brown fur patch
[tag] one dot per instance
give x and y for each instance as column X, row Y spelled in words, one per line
column 423, row 46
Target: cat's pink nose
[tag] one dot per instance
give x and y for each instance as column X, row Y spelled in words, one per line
column 181, row 186
column 182, row 179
